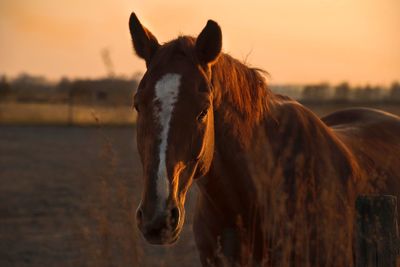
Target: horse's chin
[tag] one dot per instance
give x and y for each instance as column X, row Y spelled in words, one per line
column 165, row 240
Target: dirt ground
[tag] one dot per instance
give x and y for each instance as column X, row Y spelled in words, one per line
column 68, row 196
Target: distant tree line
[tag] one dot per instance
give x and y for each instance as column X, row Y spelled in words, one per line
column 117, row 90
column 343, row 92
column 105, row 91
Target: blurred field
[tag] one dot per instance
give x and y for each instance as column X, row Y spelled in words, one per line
column 68, row 195
column 67, row 198
column 64, row 114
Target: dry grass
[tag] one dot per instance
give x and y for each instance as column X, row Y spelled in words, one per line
column 113, row 239
column 312, row 227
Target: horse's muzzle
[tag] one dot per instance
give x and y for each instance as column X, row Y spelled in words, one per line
column 161, row 228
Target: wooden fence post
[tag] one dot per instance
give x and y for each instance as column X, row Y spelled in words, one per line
column 376, row 231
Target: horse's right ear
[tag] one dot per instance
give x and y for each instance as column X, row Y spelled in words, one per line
column 144, row 42
column 209, row 43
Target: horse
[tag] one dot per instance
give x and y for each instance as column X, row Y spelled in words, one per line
column 276, row 183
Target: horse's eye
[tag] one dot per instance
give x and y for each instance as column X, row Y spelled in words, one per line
column 136, row 103
column 202, row 115
column 136, row 106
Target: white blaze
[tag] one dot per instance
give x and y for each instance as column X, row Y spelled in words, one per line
column 166, row 91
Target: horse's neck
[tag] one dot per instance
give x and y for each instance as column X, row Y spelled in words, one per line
column 229, row 188
column 290, row 138
column 259, row 136
column 240, row 100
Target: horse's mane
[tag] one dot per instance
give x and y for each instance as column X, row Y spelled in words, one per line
column 242, row 87
column 242, row 94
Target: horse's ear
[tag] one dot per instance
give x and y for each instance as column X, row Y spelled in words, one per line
column 144, row 42
column 209, row 43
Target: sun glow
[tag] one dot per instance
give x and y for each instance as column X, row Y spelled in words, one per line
column 296, row 41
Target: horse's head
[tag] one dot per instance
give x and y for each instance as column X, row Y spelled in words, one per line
column 175, row 126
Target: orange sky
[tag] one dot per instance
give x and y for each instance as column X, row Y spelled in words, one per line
column 297, row 41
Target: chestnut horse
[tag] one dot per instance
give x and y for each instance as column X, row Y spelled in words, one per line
column 277, row 184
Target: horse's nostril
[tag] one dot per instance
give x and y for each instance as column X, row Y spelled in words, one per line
column 174, row 219
column 139, row 216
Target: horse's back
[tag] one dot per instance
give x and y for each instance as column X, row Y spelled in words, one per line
column 360, row 116
column 366, row 127
column 373, row 136
column 365, row 123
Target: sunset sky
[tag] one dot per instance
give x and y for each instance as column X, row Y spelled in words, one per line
column 296, row 41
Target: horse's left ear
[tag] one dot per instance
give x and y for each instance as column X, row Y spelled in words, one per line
column 144, row 42
column 209, row 43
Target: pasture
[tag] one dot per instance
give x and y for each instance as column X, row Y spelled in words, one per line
column 68, row 197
